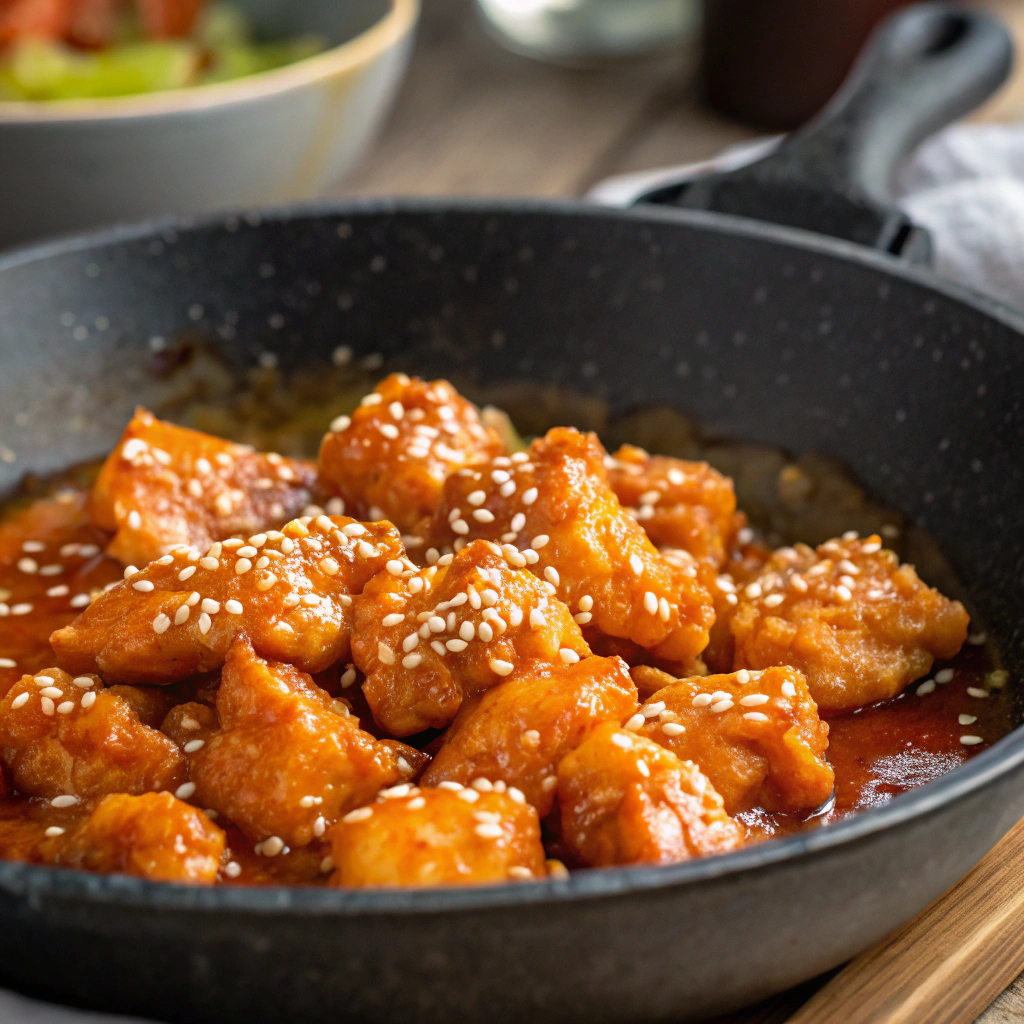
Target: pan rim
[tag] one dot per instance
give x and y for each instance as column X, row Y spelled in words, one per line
column 39, row 884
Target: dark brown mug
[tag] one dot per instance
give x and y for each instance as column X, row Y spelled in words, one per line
column 775, row 63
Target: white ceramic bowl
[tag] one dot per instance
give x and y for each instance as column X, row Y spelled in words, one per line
column 271, row 138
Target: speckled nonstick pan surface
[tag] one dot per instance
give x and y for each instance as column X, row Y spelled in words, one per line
column 760, row 332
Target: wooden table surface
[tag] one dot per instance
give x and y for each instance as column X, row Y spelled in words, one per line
column 472, row 119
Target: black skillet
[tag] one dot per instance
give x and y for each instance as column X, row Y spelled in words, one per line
column 763, row 332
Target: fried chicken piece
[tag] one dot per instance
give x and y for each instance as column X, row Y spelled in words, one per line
column 425, row 640
column 756, row 735
column 680, row 504
column 389, row 459
column 152, row 836
column 627, row 800
column 450, row 836
column 859, row 625
column 60, row 737
column 288, row 759
column 165, row 485
column 289, row 591
column 520, row 730
column 554, row 512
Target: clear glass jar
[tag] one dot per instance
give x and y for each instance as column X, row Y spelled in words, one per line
column 585, row 30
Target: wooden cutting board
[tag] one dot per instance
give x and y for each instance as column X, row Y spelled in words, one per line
column 948, row 964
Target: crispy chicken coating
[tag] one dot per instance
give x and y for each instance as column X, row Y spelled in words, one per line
column 756, row 735
column 289, row 591
column 165, row 485
column 389, row 459
column 519, row 731
column 288, row 759
column 554, row 512
column 449, row 836
column 153, row 836
column 680, row 504
column 859, row 625
column 427, row 639
column 71, row 738
column 627, row 800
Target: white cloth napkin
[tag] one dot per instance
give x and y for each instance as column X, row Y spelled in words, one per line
column 965, row 185
column 19, row 1010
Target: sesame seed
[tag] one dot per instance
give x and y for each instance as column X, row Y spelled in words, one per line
column 21, row 700
column 722, row 705
column 80, row 600
column 460, row 526
column 189, row 571
column 65, row 707
column 481, row 515
column 634, row 723
column 185, row 790
column 28, row 565
column 385, row 654
column 754, row 700
column 88, row 699
column 975, row 691
column 755, row 716
column 529, row 496
column 539, row 541
column 489, row 598
column 134, row 520
column 359, row 814
column 664, row 610
column 248, row 551
column 129, row 570
column 568, row 656
column 518, row 522
column 477, row 498
column 551, row 575
column 65, row 800
column 51, row 691
column 944, row 675
column 161, row 623
column 501, row 668
column 21, row 609
column 673, row 729
column 844, row 593
column 641, row 767
column 928, row 686
column 586, row 603
column 272, row 847
column 395, row 567
column 193, row 745
column 233, row 607
column 636, row 563
column 583, row 618
column 486, row 632
column 702, row 700
column 619, row 740
column 436, row 624
column 42, row 680
column 84, row 682
column 243, row 565
column 971, row 741
column 653, row 710
column 773, row 600
column 650, row 603
column 788, row 689
column 488, row 830
column 967, row 719
column 871, row 547
column 53, row 831
column 205, row 622
column 232, row 869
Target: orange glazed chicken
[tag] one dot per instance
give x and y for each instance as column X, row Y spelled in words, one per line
column 289, row 590
column 626, row 800
column 859, row 625
column 554, row 513
column 164, row 486
column 447, row 836
column 390, row 458
column 755, row 735
column 456, row 674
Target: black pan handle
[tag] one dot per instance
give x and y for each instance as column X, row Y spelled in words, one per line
column 924, row 68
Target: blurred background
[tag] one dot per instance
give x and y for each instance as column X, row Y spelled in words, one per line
column 120, row 110
column 620, row 85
